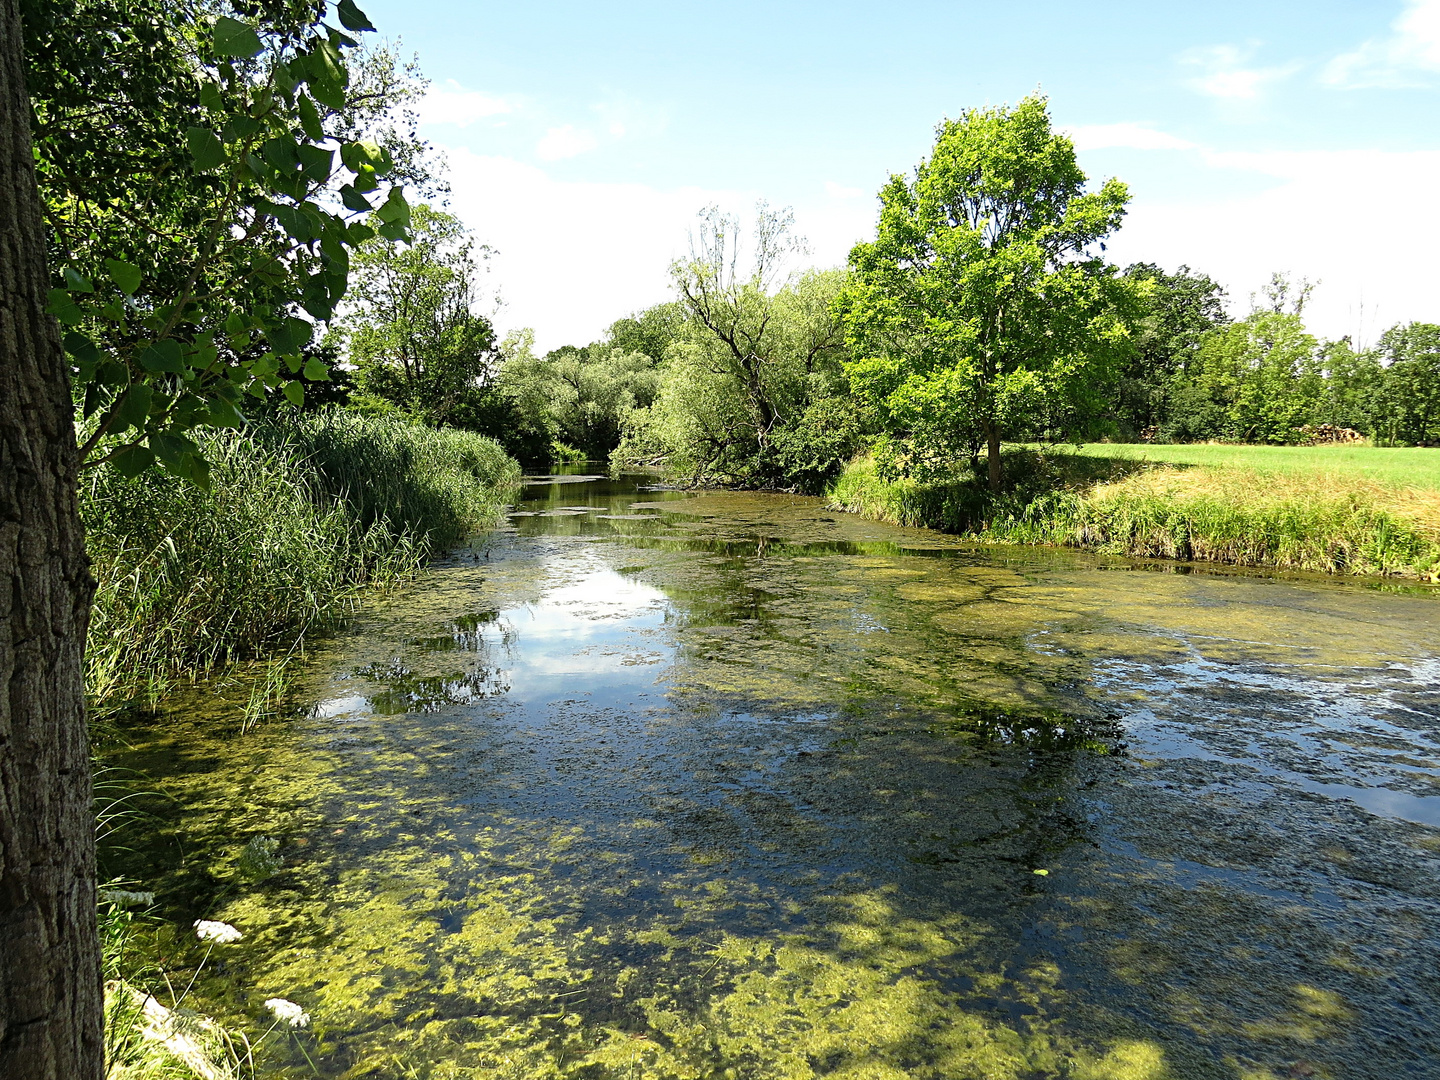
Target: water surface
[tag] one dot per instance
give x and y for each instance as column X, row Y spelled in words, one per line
column 651, row 784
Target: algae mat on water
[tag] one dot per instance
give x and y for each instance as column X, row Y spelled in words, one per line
column 729, row 787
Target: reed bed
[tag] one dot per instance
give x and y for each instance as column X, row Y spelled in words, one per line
column 299, row 520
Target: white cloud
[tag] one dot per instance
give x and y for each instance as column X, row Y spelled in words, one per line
column 1359, row 221
column 1127, row 136
column 573, row 256
column 1221, row 72
column 565, row 142
column 453, row 104
column 1407, row 58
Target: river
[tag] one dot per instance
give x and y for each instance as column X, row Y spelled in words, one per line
column 662, row 784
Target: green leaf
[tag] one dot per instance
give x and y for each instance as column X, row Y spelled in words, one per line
column 295, row 392
column 358, row 232
column 355, row 155
column 351, row 17
column 133, row 408
column 210, row 97
column 327, row 93
column 282, row 153
column 126, row 276
column 310, row 118
column 352, row 199
column 170, row 448
column 393, row 230
column 81, row 348
column 133, row 460
column 197, row 471
column 235, row 38
column 206, row 148
column 290, row 335
column 224, row 414
column 316, row 371
column 63, row 307
column 315, row 163
column 394, row 210
column 75, row 283
column 163, row 356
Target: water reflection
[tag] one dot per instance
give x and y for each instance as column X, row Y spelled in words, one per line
column 655, row 784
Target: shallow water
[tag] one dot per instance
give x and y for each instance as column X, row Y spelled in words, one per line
column 660, row 785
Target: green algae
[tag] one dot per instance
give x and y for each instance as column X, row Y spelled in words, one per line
column 784, row 823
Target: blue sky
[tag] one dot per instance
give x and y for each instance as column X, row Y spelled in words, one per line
column 582, row 138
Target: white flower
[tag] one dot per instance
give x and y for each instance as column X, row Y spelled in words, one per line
column 222, row 933
column 288, row 1012
column 126, row 898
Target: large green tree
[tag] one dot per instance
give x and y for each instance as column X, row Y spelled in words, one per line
column 415, row 332
column 982, row 309
column 176, row 307
column 1181, row 308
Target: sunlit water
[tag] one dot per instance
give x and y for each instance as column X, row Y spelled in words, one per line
column 658, row 785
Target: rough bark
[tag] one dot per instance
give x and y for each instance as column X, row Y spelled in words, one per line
column 51, row 1011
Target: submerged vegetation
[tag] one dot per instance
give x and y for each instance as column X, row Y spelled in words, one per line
column 298, row 517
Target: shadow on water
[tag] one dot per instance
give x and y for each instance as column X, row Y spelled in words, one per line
column 664, row 784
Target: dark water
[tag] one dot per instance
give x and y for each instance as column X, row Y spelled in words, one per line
column 657, row 785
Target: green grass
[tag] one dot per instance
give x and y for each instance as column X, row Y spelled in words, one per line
column 1229, row 513
column 1408, row 466
column 299, row 520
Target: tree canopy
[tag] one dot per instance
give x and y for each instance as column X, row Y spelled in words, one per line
column 202, row 224
column 980, row 309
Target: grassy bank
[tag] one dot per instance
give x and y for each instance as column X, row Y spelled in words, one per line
column 1227, row 511
column 1393, row 467
column 299, row 519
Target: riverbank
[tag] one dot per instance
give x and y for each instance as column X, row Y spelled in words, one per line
column 301, row 517
column 1283, row 512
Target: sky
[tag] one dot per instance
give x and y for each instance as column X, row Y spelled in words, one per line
column 582, row 139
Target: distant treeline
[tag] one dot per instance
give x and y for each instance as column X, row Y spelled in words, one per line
column 982, row 312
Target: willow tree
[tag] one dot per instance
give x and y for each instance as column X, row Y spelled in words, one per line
column 981, row 310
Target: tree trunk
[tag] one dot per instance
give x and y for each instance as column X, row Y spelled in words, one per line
column 992, row 438
column 51, row 1011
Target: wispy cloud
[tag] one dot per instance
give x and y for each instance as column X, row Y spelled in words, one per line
column 1409, row 57
column 453, row 104
column 1125, row 136
column 1223, row 71
column 565, row 142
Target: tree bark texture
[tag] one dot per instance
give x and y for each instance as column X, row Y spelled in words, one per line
column 51, row 1003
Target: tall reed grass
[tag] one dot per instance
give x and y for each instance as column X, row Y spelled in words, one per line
column 1230, row 515
column 299, row 519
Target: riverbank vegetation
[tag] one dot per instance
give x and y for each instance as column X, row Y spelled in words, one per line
column 1294, row 519
column 300, row 515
